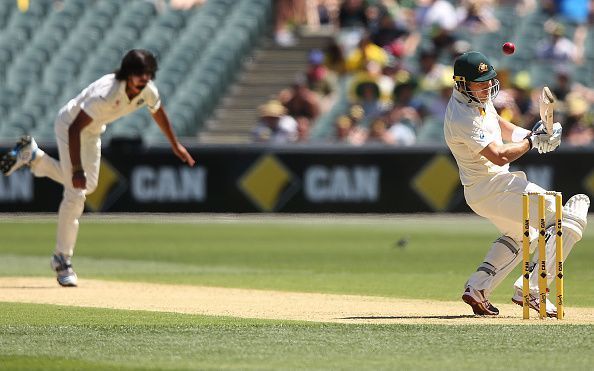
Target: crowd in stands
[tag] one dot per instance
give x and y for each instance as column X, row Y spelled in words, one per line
column 395, row 57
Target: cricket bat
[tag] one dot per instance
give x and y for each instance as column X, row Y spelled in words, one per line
column 547, row 103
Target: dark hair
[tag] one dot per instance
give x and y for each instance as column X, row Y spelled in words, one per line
column 137, row 62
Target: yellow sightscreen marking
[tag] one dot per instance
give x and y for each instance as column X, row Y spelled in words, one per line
column 265, row 182
column 437, row 182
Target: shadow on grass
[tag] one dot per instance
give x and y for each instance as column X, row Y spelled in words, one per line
column 412, row 317
column 30, row 287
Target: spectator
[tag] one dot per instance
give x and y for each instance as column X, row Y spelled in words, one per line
column 430, row 71
column 368, row 96
column 300, row 101
column 436, row 106
column 476, row 16
column 458, row 48
column 352, row 13
column 557, row 48
column 506, row 106
column 562, row 85
column 365, row 91
column 577, row 131
column 440, row 13
column 522, row 7
column 378, row 133
column 185, row 4
column 574, row 11
column 303, row 130
column 404, row 95
column 274, row 126
column 327, row 12
column 288, row 13
column 347, row 129
column 366, row 52
column 335, row 59
column 321, row 80
column 387, row 32
column 402, row 122
column 343, row 127
column 521, row 94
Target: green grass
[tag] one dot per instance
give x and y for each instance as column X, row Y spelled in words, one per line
column 325, row 256
column 318, row 255
column 44, row 337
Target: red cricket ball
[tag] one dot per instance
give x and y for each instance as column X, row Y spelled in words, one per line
column 508, row 48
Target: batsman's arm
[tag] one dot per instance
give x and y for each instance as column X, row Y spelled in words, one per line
column 501, row 154
column 160, row 117
column 511, row 132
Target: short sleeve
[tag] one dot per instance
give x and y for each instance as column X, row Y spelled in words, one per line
column 153, row 101
column 474, row 136
column 93, row 106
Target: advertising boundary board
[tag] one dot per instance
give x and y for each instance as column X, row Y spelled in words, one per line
column 291, row 179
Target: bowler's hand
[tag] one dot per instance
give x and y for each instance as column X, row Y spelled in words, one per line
column 79, row 179
column 181, row 152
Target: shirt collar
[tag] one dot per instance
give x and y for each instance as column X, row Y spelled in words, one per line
column 122, row 90
column 467, row 101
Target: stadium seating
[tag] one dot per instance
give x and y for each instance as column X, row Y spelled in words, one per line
column 51, row 52
column 55, row 49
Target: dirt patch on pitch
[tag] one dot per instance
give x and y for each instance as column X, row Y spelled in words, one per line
column 244, row 303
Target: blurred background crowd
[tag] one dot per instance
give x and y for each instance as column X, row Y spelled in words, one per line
column 297, row 71
column 385, row 76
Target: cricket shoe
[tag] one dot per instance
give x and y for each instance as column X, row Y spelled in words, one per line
column 65, row 274
column 479, row 303
column 22, row 154
column 534, row 301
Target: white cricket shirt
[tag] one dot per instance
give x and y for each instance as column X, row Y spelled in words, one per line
column 105, row 101
column 467, row 132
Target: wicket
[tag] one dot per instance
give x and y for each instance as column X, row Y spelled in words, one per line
column 542, row 267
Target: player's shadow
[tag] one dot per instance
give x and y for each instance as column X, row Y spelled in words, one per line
column 412, row 317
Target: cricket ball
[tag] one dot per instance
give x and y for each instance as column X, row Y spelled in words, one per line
column 508, row 48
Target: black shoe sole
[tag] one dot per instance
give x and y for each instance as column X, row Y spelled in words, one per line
column 8, row 160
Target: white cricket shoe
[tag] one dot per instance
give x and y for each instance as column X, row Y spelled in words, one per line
column 22, row 154
column 64, row 272
column 534, row 301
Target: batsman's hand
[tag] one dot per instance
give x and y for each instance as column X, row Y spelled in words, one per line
column 543, row 141
column 79, row 179
column 181, row 152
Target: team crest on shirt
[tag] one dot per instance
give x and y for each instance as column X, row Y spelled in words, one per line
column 482, row 68
column 140, row 101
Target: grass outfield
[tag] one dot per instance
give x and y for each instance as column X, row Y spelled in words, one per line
column 428, row 258
column 59, row 338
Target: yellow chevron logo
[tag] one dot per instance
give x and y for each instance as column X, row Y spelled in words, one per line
column 436, row 182
column 267, row 183
column 109, row 181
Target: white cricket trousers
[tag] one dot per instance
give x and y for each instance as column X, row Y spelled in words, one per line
column 73, row 200
column 500, row 201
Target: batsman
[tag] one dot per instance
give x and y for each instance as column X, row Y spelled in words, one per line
column 484, row 144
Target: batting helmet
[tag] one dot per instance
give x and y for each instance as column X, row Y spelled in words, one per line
column 474, row 67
